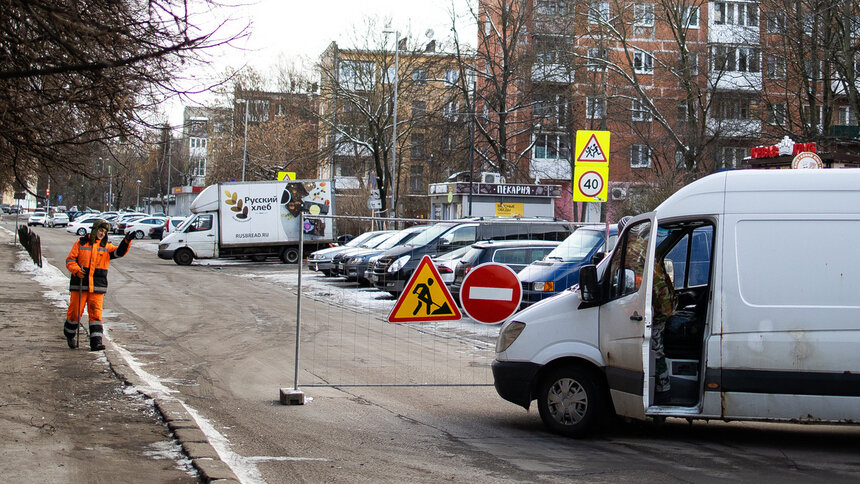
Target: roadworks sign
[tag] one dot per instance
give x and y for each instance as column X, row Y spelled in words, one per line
column 425, row 298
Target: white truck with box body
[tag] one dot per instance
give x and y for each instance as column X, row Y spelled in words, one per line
column 253, row 220
column 766, row 269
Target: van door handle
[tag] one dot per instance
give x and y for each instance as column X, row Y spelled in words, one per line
column 636, row 316
column 211, row 235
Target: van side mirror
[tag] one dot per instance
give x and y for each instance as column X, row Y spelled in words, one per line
column 588, row 283
column 599, row 256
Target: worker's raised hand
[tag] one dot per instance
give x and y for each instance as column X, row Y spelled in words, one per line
column 129, row 236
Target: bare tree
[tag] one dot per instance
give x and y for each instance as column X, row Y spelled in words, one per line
column 77, row 74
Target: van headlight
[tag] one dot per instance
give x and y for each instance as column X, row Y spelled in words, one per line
column 543, row 286
column 508, row 334
column 398, row 264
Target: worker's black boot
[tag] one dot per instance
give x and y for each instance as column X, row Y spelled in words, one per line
column 96, row 337
column 70, row 329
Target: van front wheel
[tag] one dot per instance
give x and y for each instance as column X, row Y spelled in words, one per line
column 183, row 257
column 570, row 401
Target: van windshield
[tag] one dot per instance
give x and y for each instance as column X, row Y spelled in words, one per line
column 576, row 247
column 430, row 234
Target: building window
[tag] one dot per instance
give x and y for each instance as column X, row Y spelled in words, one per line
column 388, row 75
column 488, row 25
column 356, row 75
column 595, row 108
column 452, row 76
column 812, row 69
column 730, row 107
column 775, row 23
column 733, row 13
column 640, row 111
column 419, row 110
column 449, row 142
column 552, row 7
column 776, row 115
column 280, row 110
column 416, row 151
column 643, row 15
column 846, row 116
column 451, row 110
column 551, row 147
column 598, row 12
column 419, row 77
column 775, row 67
column 416, row 178
column 643, row 63
column 732, row 156
column 597, row 58
column 640, row 156
column 690, row 18
column 736, row 59
column 552, row 107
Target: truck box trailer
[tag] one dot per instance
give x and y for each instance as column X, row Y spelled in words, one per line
column 253, row 220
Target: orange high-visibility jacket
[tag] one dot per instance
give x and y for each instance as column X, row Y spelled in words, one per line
column 89, row 263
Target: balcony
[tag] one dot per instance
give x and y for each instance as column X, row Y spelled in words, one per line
column 549, row 169
column 736, row 81
column 734, row 128
column 557, row 73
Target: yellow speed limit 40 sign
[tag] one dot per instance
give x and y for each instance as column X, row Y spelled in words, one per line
column 590, row 182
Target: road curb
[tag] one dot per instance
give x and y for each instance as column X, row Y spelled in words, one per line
column 181, row 424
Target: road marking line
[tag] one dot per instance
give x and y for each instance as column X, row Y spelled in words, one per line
column 491, row 293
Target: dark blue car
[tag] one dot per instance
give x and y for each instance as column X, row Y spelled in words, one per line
column 559, row 270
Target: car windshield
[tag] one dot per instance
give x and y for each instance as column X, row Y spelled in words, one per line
column 359, row 239
column 576, row 247
column 376, row 240
column 430, row 234
column 399, row 237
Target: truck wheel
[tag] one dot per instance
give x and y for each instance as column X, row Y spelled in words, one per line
column 290, row 255
column 183, row 257
column 570, row 400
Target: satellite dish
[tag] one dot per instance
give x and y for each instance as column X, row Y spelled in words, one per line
column 429, row 33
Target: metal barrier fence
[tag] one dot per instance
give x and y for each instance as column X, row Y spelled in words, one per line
column 32, row 243
column 343, row 337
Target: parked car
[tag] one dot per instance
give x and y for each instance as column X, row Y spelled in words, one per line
column 320, row 260
column 171, row 225
column 355, row 266
column 140, row 227
column 395, row 267
column 559, row 270
column 123, row 220
column 516, row 254
column 338, row 262
column 59, row 219
column 82, row 225
column 447, row 262
column 5, row 207
column 38, row 218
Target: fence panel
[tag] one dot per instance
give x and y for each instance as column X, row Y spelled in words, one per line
column 344, row 337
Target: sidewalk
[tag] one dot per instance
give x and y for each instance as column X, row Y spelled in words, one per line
column 65, row 416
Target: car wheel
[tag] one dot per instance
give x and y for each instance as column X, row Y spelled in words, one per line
column 570, row 400
column 138, row 234
column 183, row 257
column 290, row 255
column 82, row 231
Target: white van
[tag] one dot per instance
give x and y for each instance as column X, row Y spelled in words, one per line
column 766, row 269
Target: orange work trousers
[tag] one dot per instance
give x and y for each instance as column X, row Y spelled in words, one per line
column 93, row 302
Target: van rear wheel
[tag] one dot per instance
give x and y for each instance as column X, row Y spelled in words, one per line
column 570, row 400
column 183, row 257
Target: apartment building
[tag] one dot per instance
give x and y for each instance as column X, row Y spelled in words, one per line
column 199, row 125
column 358, row 111
column 685, row 87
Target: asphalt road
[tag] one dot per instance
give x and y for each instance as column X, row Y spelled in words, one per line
column 223, row 341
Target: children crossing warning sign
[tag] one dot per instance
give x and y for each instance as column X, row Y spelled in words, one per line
column 592, row 146
column 424, row 298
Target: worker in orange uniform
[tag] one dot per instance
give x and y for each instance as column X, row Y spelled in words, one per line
column 88, row 264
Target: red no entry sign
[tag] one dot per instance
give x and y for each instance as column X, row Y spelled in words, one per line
column 491, row 293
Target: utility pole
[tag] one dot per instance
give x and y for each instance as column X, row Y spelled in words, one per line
column 393, row 211
column 110, row 189
column 245, row 149
column 169, row 169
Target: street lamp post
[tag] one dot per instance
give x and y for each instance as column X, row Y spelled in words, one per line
column 110, row 188
column 137, row 204
column 394, row 128
column 245, row 148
